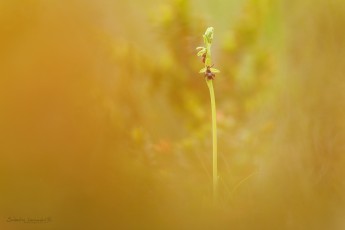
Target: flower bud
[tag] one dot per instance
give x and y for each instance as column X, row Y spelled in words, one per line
column 209, row 35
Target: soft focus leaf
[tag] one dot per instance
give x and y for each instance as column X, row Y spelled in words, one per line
column 213, row 70
column 203, row 70
column 201, row 52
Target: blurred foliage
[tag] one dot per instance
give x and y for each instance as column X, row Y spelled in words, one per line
column 106, row 121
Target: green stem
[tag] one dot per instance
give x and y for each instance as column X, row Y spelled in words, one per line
column 214, row 140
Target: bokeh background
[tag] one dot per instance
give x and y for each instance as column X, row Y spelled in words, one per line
column 105, row 122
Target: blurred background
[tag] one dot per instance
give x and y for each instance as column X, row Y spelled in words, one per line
column 105, row 121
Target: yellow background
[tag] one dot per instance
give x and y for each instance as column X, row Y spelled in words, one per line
column 105, row 122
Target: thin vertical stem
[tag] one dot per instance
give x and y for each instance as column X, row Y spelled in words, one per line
column 214, row 140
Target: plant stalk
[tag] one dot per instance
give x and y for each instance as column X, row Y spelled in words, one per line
column 214, row 141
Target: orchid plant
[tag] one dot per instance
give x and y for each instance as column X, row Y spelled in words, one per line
column 209, row 73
